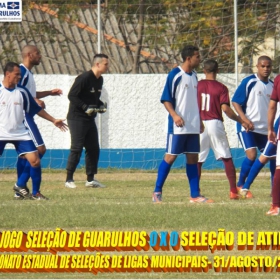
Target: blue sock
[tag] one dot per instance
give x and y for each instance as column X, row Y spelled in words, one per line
column 36, row 176
column 192, row 174
column 272, row 167
column 254, row 171
column 245, row 169
column 163, row 172
column 21, row 162
column 25, row 174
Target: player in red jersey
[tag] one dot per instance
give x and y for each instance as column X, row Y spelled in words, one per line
column 273, row 138
column 213, row 98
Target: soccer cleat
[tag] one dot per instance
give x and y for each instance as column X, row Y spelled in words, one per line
column 244, row 193
column 233, row 195
column 273, row 211
column 157, row 197
column 201, row 199
column 94, row 184
column 22, row 191
column 39, row 196
column 18, row 197
column 70, row 185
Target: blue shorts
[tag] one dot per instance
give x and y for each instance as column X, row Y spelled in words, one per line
column 33, row 130
column 22, row 146
column 182, row 143
column 269, row 150
column 251, row 140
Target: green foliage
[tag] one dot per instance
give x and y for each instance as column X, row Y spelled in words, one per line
column 207, row 24
column 9, row 51
column 169, row 25
column 256, row 23
column 276, row 62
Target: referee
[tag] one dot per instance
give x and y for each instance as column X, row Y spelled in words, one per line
column 84, row 98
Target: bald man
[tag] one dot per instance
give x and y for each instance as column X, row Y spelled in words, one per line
column 251, row 100
column 31, row 56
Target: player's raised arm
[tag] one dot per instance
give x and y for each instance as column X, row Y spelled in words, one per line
column 41, row 103
column 53, row 92
column 57, row 122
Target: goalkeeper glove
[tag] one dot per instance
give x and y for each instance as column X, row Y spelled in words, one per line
column 103, row 108
column 90, row 110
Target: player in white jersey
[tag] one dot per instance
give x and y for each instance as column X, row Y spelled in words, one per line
column 31, row 57
column 268, row 154
column 251, row 101
column 15, row 101
column 183, row 123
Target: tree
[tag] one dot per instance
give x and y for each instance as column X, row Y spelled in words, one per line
column 154, row 31
column 209, row 25
column 140, row 17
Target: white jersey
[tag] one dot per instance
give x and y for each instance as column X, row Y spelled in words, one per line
column 13, row 104
column 181, row 91
column 254, row 95
column 27, row 80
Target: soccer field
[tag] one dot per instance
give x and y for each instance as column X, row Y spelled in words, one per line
column 125, row 205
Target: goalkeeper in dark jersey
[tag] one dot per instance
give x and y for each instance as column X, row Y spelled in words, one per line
column 84, row 104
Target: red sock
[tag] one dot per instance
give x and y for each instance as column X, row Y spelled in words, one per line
column 276, row 189
column 231, row 173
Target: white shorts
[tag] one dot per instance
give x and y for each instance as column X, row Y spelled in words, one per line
column 214, row 137
column 278, row 154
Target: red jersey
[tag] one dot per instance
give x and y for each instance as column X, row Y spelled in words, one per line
column 276, row 97
column 211, row 95
column 276, row 89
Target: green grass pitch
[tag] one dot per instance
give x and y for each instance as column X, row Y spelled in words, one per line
column 126, row 205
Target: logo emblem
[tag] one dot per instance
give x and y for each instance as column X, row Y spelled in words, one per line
column 10, row 11
column 13, row 6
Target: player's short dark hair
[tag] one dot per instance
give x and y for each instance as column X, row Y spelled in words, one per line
column 211, row 66
column 9, row 67
column 188, row 51
column 98, row 57
column 264, row 57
